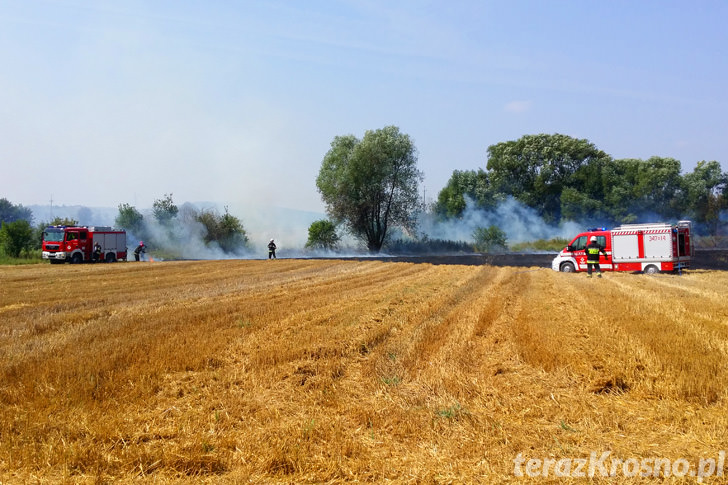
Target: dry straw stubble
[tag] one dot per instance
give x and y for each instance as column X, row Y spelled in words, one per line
column 298, row 370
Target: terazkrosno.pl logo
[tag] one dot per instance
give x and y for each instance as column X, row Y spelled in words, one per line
column 604, row 465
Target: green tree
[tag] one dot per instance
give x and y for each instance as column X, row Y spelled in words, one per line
column 488, row 239
column 232, row 233
column 63, row 221
column 130, row 219
column 164, row 210
column 619, row 179
column 635, row 189
column 10, row 212
column 15, row 237
column 535, row 169
column 322, row 235
column 226, row 231
column 578, row 206
column 657, row 188
column 463, row 185
column 704, row 189
column 371, row 184
column 37, row 236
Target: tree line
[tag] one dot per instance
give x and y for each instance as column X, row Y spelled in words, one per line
column 370, row 188
column 371, row 184
column 565, row 178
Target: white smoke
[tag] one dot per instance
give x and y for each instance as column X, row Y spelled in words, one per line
column 185, row 237
column 519, row 222
column 182, row 238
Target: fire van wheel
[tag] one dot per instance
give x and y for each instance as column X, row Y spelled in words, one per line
column 77, row 259
column 651, row 269
column 110, row 258
column 567, row 268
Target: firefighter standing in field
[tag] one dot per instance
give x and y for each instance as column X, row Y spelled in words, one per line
column 592, row 251
column 272, row 249
column 139, row 249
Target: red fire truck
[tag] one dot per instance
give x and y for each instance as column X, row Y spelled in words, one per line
column 650, row 248
column 75, row 244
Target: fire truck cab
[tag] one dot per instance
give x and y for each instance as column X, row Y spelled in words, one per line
column 649, row 248
column 75, row 244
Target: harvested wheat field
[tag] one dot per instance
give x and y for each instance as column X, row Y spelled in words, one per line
column 304, row 371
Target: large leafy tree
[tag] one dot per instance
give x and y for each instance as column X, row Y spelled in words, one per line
column 463, row 186
column 10, row 212
column 637, row 189
column 371, row 184
column 536, row 169
column 619, row 178
column 658, row 187
column 564, row 178
column 704, row 193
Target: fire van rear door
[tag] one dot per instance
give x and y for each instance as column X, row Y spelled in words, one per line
column 657, row 245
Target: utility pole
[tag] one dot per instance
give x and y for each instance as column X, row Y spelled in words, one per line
column 51, row 209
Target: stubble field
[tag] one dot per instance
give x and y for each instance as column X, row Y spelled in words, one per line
column 303, row 371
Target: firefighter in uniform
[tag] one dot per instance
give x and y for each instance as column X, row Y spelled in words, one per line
column 592, row 251
column 139, row 249
column 97, row 252
column 272, row 249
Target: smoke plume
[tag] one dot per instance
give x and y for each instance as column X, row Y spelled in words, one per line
column 519, row 222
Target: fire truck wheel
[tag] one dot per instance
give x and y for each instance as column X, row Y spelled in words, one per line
column 567, row 268
column 651, row 269
column 110, row 258
column 77, row 259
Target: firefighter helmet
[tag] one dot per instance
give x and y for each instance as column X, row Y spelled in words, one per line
column 593, row 239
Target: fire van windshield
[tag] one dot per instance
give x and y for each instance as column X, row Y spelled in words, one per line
column 53, row 236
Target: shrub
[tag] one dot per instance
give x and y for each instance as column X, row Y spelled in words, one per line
column 16, row 237
column 489, row 239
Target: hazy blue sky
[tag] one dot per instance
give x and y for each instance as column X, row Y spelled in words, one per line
column 103, row 103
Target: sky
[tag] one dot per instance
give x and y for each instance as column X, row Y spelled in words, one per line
column 109, row 102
